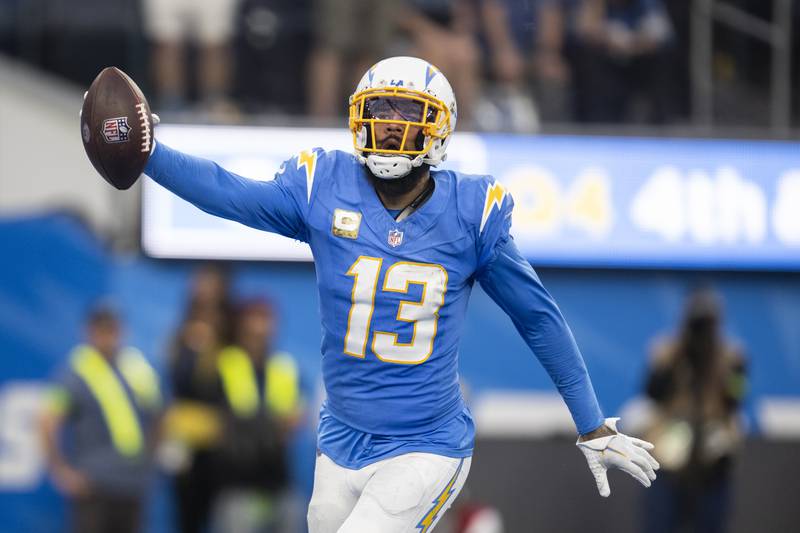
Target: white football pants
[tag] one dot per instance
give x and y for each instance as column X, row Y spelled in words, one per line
column 407, row 493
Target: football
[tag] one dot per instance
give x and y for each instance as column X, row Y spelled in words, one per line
column 116, row 127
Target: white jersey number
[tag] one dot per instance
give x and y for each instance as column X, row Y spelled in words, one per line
column 424, row 314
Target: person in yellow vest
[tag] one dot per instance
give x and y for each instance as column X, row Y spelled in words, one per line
column 190, row 422
column 259, row 393
column 97, row 429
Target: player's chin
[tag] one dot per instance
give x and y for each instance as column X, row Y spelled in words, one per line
column 399, row 186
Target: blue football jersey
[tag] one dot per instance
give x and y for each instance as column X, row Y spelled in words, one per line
column 393, row 295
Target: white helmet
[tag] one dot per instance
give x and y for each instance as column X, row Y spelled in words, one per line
column 409, row 92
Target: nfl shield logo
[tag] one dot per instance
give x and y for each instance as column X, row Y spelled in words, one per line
column 395, row 238
column 116, row 130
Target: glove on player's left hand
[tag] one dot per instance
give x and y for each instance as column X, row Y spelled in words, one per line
column 618, row 451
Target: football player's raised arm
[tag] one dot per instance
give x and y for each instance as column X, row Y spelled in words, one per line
column 513, row 284
column 267, row 205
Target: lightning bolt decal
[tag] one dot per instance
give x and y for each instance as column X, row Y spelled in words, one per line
column 495, row 195
column 430, row 73
column 430, row 517
column 309, row 160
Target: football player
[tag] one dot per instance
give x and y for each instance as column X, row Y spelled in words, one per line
column 398, row 247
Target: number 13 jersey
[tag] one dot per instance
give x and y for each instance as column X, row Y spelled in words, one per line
column 393, row 295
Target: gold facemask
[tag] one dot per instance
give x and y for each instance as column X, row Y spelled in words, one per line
column 409, row 107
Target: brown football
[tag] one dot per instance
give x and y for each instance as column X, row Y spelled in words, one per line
column 116, row 127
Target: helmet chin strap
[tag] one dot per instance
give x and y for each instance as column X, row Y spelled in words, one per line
column 391, row 167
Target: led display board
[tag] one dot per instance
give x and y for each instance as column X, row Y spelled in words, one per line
column 579, row 201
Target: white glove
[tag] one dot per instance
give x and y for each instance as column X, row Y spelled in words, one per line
column 156, row 122
column 629, row 454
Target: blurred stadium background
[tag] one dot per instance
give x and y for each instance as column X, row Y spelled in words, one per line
column 650, row 145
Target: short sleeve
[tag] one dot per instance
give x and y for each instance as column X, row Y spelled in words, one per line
column 495, row 222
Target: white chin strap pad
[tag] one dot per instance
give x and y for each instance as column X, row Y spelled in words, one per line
column 390, row 167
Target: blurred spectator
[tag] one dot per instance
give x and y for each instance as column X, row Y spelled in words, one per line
column 621, row 58
column 77, row 39
column 259, row 392
column 171, row 25
column 191, row 424
column 553, row 74
column 106, row 400
column 272, row 45
column 697, row 381
column 206, row 327
column 507, row 105
column 443, row 32
column 680, row 15
column 528, row 45
column 350, row 35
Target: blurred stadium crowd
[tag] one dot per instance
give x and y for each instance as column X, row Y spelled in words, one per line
column 520, row 66
column 514, row 64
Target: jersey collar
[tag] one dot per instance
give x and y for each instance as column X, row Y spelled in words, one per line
column 416, row 224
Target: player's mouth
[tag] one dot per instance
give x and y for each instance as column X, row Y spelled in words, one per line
column 391, row 143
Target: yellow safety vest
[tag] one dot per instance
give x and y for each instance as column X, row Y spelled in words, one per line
column 118, row 411
column 281, row 391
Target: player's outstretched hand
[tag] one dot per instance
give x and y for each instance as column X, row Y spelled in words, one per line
column 629, row 454
column 117, row 127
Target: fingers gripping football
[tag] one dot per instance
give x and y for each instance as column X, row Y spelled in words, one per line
column 117, row 127
column 619, row 451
